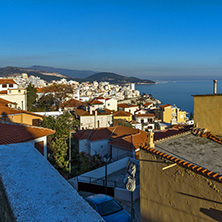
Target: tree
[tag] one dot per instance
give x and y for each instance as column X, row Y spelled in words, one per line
column 60, row 92
column 46, row 102
column 31, row 95
column 58, row 142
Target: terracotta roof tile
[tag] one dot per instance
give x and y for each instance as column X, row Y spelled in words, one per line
column 5, row 102
column 131, row 142
column 95, row 102
column 17, row 133
column 168, row 133
column 72, row 103
column 7, row 81
column 4, row 92
column 146, row 115
column 126, row 105
column 147, row 104
column 165, row 105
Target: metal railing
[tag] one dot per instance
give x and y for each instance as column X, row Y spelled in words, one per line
column 97, row 181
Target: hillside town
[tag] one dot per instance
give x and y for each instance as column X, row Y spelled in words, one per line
column 111, row 139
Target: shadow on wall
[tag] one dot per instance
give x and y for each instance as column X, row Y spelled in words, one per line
column 213, row 201
column 212, row 213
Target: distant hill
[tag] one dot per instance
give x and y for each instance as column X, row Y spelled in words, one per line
column 69, row 72
column 114, row 78
column 48, row 76
column 13, row 71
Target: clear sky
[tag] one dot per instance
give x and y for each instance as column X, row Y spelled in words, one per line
column 149, row 39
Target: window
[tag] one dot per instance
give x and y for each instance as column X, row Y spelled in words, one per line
column 4, row 85
column 11, row 85
column 108, row 104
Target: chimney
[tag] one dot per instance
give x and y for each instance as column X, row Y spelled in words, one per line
column 150, row 139
column 215, row 86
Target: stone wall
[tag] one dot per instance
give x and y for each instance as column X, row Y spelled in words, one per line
column 6, row 214
column 177, row 193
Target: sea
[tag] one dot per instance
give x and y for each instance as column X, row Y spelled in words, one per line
column 179, row 92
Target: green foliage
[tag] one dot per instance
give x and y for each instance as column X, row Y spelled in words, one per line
column 46, row 102
column 125, row 123
column 58, row 142
column 31, row 95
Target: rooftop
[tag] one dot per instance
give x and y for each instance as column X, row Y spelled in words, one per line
column 164, row 106
column 17, row 133
column 7, row 81
column 36, row 191
column 194, row 149
column 126, row 105
column 72, row 103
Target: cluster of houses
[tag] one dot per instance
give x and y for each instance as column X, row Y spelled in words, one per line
column 180, row 173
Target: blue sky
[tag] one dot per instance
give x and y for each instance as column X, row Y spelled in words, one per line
column 148, row 39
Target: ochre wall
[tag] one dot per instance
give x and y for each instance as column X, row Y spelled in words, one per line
column 176, row 194
column 167, row 114
column 127, row 118
column 208, row 113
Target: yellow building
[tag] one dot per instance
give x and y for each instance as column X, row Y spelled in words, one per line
column 20, row 116
column 122, row 115
column 208, row 112
column 171, row 114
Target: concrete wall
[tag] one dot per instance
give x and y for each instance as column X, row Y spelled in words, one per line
column 118, row 152
column 100, row 147
column 84, row 146
column 176, row 194
column 208, row 112
column 111, row 104
column 125, row 195
column 20, row 99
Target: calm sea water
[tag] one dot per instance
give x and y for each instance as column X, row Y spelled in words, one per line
column 179, row 92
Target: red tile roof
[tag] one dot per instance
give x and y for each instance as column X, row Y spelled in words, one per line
column 95, row 102
column 99, row 97
column 40, row 90
column 126, row 105
column 147, row 104
column 146, row 115
column 122, row 113
column 3, row 92
column 165, row 105
column 133, row 141
column 5, row 102
column 7, row 81
column 168, row 133
column 81, row 112
column 17, row 133
column 72, row 103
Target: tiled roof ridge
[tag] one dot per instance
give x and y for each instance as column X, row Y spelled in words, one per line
column 180, row 133
column 25, row 125
column 183, row 163
column 204, row 133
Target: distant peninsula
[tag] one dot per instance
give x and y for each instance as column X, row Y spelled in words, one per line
column 50, row 73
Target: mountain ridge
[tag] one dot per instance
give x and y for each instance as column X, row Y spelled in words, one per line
column 113, row 78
